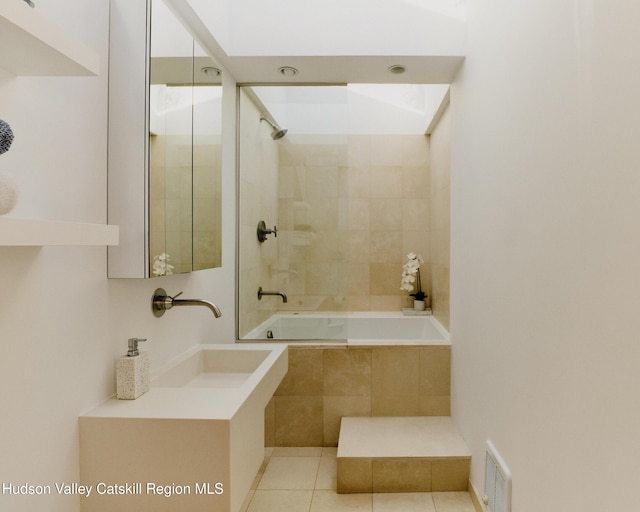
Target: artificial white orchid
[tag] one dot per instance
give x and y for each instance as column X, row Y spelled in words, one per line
column 411, row 274
column 161, row 265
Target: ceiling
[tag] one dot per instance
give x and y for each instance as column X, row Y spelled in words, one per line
column 420, row 37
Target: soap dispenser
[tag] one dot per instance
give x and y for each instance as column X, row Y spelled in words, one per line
column 133, row 372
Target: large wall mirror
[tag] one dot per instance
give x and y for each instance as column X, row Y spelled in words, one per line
column 164, row 145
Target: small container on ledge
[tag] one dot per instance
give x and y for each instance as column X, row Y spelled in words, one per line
column 133, row 372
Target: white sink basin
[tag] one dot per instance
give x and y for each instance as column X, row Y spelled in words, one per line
column 213, row 367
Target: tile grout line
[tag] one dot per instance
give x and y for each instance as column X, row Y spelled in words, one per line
column 313, row 495
column 315, row 483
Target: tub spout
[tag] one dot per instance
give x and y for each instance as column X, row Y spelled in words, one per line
column 161, row 302
column 262, row 292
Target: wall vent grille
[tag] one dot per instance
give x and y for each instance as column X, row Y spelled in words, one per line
column 497, row 482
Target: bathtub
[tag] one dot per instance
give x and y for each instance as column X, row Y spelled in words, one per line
column 362, row 328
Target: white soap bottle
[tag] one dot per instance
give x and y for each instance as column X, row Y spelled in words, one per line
column 133, row 372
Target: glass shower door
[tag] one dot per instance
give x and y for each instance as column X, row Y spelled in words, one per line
column 296, row 183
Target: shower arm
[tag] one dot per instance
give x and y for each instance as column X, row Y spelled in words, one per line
column 277, row 132
column 271, row 123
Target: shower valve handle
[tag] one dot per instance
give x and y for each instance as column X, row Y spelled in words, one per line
column 263, row 231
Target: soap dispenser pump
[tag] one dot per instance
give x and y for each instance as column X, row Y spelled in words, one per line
column 133, row 372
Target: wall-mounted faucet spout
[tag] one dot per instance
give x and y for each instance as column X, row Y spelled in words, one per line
column 160, row 302
column 261, row 292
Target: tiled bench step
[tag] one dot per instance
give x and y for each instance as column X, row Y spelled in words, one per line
column 405, row 454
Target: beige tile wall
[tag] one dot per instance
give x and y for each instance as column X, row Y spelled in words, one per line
column 171, row 200
column 207, row 202
column 185, row 195
column 399, row 475
column 312, row 221
column 325, row 383
column 350, row 209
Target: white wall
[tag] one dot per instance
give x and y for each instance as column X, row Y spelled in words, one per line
column 545, row 249
column 62, row 323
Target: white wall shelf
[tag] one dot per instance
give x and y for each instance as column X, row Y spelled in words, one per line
column 31, row 45
column 31, row 232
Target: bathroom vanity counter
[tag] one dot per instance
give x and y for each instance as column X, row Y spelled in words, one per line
column 198, row 433
column 175, row 403
column 207, row 382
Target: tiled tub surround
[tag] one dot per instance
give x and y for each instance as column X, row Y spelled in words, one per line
column 326, row 382
column 348, row 210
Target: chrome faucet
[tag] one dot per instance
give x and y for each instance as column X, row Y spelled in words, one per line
column 160, row 302
column 261, row 292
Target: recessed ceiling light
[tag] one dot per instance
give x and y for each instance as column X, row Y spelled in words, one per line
column 211, row 71
column 397, row 69
column 288, row 71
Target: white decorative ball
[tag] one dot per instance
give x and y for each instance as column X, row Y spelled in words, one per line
column 9, row 192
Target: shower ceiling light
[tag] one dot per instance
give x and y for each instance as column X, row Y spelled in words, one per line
column 211, row 71
column 288, row 71
column 397, row 69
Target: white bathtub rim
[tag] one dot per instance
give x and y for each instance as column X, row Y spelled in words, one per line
column 363, row 343
column 355, row 342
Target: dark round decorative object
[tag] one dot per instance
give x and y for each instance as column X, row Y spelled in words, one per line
column 6, row 137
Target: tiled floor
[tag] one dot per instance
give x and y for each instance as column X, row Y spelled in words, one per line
column 304, row 480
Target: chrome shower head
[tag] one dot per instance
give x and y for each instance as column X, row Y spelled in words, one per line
column 277, row 132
